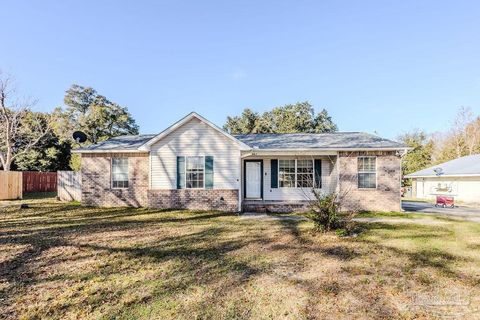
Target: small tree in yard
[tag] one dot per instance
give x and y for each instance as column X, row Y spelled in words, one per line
column 20, row 128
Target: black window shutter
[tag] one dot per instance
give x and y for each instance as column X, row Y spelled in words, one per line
column 180, row 172
column 208, row 172
column 274, row 173
column 318, row 173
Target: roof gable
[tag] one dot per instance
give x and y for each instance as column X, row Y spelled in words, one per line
column 184, row 120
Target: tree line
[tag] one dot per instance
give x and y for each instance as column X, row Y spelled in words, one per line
column 290, row 118
column 41, row 141
column 461, row 139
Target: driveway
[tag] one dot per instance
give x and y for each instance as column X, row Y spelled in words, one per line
column 465, row 213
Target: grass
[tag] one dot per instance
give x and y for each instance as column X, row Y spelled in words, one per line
column 64, row 261
column 39, row 195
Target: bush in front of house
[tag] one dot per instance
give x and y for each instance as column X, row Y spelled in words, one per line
column 325, row 214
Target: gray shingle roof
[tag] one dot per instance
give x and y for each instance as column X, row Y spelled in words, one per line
column 119, row 143
column 338, row 140
column 464, row 166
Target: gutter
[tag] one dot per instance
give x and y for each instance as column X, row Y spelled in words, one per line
column 331, row 149
column 444, row 175
column 315, row 151
column 109, row 151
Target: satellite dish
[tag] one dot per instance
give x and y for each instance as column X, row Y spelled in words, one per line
column 438, row 171
column 79, row 136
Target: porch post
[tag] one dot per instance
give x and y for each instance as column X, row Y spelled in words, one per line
column 337, row 170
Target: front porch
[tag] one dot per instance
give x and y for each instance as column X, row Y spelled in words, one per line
column 283, row 182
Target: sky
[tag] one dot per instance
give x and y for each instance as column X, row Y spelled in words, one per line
column 376, row 66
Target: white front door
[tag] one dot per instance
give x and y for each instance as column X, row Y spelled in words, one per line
column 253, row 179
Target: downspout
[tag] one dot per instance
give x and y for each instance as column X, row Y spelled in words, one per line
column 401, row 154
column 337, row 171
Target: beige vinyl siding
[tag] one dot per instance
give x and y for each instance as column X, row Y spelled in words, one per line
column 329, row 180
column 195, row 138
column 466, row 189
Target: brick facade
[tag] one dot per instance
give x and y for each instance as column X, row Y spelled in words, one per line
column 97, row 191
column 386, row 197
column 194, row 199
column 96, row 180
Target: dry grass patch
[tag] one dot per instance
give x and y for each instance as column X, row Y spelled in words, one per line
column 64, row 261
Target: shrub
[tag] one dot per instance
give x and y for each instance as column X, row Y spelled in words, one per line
column 326, row 216
column 324, row 212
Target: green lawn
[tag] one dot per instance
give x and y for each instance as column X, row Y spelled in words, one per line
column 64, row 261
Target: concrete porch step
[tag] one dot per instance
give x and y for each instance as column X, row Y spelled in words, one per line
column 274, row 206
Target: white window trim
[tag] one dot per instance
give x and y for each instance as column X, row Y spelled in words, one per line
column 111, row 173
column 203, row 157
column 376, row 173
column 296, row 173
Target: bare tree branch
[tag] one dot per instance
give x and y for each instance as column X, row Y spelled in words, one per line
column 20, row 128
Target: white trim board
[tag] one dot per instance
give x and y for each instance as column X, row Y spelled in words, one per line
column 444, row 175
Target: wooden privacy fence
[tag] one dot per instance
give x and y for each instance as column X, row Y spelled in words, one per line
column 69, row 186
column 10, row 185
column 34, row 181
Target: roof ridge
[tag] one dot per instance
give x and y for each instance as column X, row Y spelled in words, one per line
column 277, row 133
column 134, row 135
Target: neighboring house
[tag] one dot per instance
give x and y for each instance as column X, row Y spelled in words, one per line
column 459, row 178
column 194, row 164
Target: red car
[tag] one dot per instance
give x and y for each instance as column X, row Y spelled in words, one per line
column 445, row 201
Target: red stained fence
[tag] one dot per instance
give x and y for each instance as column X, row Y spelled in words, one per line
column 34, row 181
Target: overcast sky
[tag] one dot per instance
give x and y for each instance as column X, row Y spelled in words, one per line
column 385, row 66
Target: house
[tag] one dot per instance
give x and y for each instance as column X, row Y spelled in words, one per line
column 459, row 178
column 196, row 165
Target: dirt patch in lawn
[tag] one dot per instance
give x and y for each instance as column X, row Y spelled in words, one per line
column 64, row 261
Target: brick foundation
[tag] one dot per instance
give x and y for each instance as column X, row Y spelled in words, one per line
column 194, row 199
column 386, row 197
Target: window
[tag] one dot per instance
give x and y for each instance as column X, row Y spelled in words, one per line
column 295, row 173
column 286, row 173
column 195, row 168
column 367, row 172
column 119, row 172
column 304, row 173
